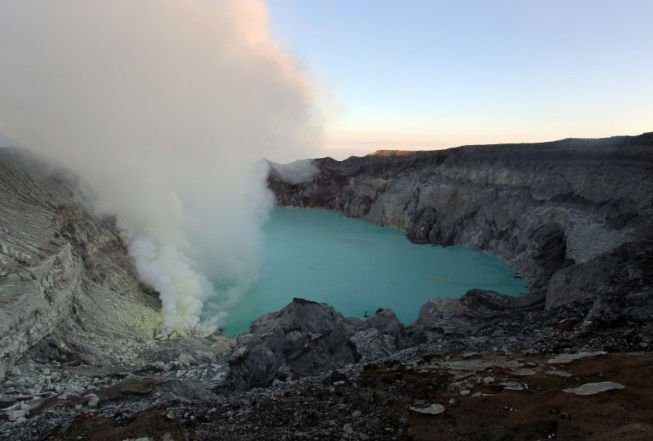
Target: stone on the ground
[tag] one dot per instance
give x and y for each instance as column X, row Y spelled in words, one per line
column 594, row 388
column 433, row 409
column 568, row 358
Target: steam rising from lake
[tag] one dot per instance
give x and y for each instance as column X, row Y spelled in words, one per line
column 164, row 109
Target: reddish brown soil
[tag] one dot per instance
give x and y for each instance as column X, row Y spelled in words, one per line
column 376, row 405
column 544, row 411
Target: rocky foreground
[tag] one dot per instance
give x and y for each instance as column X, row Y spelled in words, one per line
column 306, row 372
column 82, row 357
column 414, row 395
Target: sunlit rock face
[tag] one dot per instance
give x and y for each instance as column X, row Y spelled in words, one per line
column 558, row 211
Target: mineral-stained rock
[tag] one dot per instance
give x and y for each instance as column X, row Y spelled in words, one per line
column 74, row 318
column 64, row 273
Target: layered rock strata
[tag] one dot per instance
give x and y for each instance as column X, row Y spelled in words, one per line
column 66, row 281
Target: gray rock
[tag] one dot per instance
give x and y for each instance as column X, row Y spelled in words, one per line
column 304, row 338
column 472, row 311
column 433, row 409
column 568, row 358
column 386, row 322
column 16, row 415
column 594, row 388
column 371, row 344
column 92, row 401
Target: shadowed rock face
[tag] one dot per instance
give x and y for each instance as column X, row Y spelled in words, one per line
column 302, row 338
column 305, row 338
column 556, row 211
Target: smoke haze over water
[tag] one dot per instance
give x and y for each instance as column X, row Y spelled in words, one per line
column 165, row 109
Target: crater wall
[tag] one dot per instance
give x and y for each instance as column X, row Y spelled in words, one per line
column 66, row 281
column 573, row 217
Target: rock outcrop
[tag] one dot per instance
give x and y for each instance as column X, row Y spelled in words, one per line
column 301, row 338
column 473, row 311
column 306, row 338
column 574, row 217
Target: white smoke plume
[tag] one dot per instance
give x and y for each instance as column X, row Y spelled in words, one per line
column 165, row 108
column 296, row 172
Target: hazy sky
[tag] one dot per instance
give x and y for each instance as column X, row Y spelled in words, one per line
column 428, row 74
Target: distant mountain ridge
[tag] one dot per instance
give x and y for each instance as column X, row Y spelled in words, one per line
column 589, row 142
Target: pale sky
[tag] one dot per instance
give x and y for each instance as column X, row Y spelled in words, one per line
column 424, row 74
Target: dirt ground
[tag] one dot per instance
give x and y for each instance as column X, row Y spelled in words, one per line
column 485, row 397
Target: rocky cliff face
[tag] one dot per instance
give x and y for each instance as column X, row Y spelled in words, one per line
column 572, row 216
column 67, row 285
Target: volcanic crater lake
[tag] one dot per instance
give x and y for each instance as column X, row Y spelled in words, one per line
column 357, row 267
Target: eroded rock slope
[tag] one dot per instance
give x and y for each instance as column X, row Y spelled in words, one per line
column 66, row 281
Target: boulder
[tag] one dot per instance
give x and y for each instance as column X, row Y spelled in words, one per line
column 386, row 322
column 303, row 338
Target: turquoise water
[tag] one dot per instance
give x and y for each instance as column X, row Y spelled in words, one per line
column 356, row 266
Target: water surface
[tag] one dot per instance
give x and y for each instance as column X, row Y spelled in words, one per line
column 357, row 267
